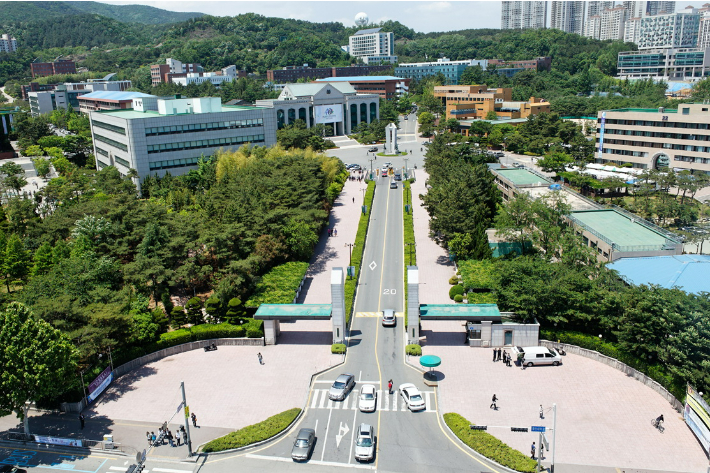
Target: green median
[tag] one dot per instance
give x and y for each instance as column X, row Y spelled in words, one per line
column 351, row 283
column 254, row 433
column 488, row 445
column 410, row 249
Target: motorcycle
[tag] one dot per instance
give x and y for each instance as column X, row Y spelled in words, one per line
column 561, row 351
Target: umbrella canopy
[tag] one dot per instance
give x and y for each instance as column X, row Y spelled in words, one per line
column 430, row 361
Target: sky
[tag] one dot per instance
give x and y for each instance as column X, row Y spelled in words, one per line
column 422, row 16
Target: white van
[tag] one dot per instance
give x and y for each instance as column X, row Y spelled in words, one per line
column 537, row 356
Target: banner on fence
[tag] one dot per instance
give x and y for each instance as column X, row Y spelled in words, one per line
column 58, row 441
column 98, row 385
column 697, row 416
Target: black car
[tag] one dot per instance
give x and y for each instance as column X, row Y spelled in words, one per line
column 373, row 149
column 11, row 469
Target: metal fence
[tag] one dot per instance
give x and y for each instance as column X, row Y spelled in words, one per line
column 624, row 368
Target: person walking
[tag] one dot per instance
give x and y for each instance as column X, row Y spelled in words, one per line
column 170, row 438
column 194, row 419
column 542, row 412
column 177, row 437
column 335, row 232
column 494, row 354
column 150, row 439
column 389, row 386
column 532, row 451
column 500, row 350
column 493, row 403
column 353, row 200
column 261, row 358
column 81, row 421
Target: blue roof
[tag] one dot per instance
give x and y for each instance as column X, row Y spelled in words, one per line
column 115, row 95
column 356, row 78
column 688, row 272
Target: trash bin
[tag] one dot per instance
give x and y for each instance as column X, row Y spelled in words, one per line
column 108, row 442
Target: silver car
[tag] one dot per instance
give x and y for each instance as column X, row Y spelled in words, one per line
column 388, row 318
column 365, row 443
column 303, row 446
column 368, row 398
column 341, row 387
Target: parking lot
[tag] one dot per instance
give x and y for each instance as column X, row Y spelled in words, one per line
column 603, row 416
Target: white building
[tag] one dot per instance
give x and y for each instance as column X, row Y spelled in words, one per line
column 677, row 30
column 641, row 8
column 171, row 134
column 593, row 26
column 632, row 28
column 567, row 15
column 228, row 74
column 612, row 24
column 372, row 46
column 178, row 67
column 595, row 8
column 523, row 15
column 8, row 44
column 704, row 30
column 67, row 94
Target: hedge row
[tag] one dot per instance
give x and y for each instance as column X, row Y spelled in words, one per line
column 488, row 445
column 254, row 433
column 478, row 274
column 350, row 283
column 279, row 285
column 408, row 238
column 656, row 372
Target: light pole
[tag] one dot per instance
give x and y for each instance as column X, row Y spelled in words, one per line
column 410, row 245
column 371, row 177
column 350, row 261
column 405, row 165
column 363, row 195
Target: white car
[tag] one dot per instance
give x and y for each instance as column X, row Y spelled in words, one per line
column 368, row 398
column 412, row 397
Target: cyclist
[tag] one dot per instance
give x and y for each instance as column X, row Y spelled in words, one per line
column 659, row 421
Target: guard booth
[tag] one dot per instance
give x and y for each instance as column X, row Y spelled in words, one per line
column 485, row 325
column 274, row 314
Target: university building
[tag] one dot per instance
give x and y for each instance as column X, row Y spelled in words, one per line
column 466, row 102
column 43, row 69
column 387, row 87
column 656, row 138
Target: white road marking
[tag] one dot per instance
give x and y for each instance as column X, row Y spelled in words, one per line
column 323, row 398
column 168, row 470
column 325, row 440
column 385, row 401
column 315, row 462
column 350, row 455
column 118, row 468
column 342, row 432
column 372, row 266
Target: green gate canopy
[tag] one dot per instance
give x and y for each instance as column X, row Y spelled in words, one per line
column 430, row 361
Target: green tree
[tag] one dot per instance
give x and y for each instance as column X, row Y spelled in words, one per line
column 42, row 167
column 491, row 115
column 43, row 259
column 177, row 315
column 194, row 311
column 36, row 361
column 426, row 124
column 300, row 238
column 235, row 311
column 213, row 307
column 16, row 265
column 555, row 162
column 14, row 176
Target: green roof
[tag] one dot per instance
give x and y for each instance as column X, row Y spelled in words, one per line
column 522, row 177
column 293, row 312
column 129, row 113
column 487, row 312
column 619, row 229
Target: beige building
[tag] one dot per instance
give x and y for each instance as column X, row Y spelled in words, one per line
column 656, row 139
column 466, row 102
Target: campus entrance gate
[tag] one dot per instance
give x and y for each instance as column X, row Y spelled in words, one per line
column 273, row 314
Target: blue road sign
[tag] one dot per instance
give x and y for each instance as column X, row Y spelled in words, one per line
column 537, row 428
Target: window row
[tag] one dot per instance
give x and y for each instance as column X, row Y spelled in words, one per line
column 664, row 123
column 192, row 128
column 624, row 152
column 111, row 142
column 658, row 134
column 102, row 151
column 691, row 159
column 665, row 145
column 108, row 126
column 172, row 163
column 101, row 164
column 234, row 140
column 122, row 161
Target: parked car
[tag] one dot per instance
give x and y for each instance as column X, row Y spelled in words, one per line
column 365, row 443
column 374, row 149
column 303, row 445
column 355, row 167
column 388, row 318
column 368, row 398
column 499, row 154
column 412, row 397
column 341, row 387
column 537, row 356
column 406, row 117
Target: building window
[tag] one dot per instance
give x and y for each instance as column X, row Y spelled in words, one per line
column 108, row 126
column 122, row 161
column 197, row 144
column 111, row 142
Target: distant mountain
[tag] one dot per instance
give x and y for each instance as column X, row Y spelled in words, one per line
column 13, row 12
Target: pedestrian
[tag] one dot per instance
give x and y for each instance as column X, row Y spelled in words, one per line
column 353, row 200
column 493, row 404
column 170, row 439
column 261, row 358
column 542, row 413
column 532, row 451
column 81, row 421
column 389, row 386
column 150, row 439
column 330, row 232
column 494, row 354
column 194, row 419
column 520, row 360
column 500, row 350
column 335, row 232
column 177, row 437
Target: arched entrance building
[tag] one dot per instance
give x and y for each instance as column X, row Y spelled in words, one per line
column 335, row 104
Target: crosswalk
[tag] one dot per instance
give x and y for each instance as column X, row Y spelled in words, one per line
column 385, row 402
column 376, row 314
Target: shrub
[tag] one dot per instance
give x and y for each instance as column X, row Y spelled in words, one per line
column 481, row 298
column 458, row 298
column 279, row 285
column 413, row 350
column 254, row 433
column 489, row 446
column 457, row 289
column 479, row 274
column 337, row 348
column 176, row 337
column 454, row 280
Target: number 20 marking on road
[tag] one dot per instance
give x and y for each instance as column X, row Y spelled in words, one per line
column 390, row 292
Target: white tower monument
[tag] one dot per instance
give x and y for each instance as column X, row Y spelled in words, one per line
column 391, row 139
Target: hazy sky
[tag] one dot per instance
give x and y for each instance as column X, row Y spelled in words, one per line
column 422, row 16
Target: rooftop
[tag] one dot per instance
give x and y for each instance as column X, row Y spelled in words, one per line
column 641, row 110
column 368, row 31
column 459, row 312
column 130, row 114
column 619, row 229
column 494, row 122
column 293, row 312
column 114, row 95
column 688, row 272
column 358, row 78
column 522, row 177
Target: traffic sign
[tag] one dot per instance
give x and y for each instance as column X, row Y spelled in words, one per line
column 537, row 428
column 187, row 412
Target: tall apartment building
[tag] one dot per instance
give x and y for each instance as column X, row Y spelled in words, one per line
column 593, row 26
column 596, row 7
column 704, row 29
column 567, row 15
column 372, row 45
column 632, row 28
column 641, row 8
column 612, row 24
column 43, row 69
column 8, row 44
column 676, row 30
column 523, row 15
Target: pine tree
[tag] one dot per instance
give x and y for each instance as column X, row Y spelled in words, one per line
column 43, row 259
column 17, row 260
column 177, row 314
column 194, row 311
column 235, row 311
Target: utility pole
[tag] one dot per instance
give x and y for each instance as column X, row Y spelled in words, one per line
column 405, row 165
column 554, row 434
column 187, row 420
column 371, row 176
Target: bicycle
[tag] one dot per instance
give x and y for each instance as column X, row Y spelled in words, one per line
column 658, row 425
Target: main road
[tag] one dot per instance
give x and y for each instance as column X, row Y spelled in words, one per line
column 406, row 441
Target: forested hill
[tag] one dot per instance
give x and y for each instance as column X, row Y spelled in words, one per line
column 33, row 11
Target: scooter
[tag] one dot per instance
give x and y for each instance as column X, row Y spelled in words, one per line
column 561, row 351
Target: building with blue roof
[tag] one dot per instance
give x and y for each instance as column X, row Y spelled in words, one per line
column 687, row 272
column 108, row 100
column 387, row 87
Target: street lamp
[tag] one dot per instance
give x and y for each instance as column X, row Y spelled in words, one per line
column 410, row 245
column 350, row 261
